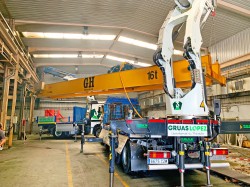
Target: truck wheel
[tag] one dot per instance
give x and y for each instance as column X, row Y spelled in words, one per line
column 126, row 158
column 117, row 158
column 95, row 129
column 58, row 134
column 87, row 129
column 98, row 132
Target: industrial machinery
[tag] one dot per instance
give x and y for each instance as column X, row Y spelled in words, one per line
column 61, row 127
column 58, row 73
column 150, row 79
column 182, row 140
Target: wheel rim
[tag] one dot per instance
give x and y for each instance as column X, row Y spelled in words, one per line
column 58, row 133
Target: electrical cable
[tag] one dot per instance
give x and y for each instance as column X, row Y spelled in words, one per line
column 122, row 65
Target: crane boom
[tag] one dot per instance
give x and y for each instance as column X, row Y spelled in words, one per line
column 189, row 12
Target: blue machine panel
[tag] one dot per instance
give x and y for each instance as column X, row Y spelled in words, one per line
column 115, row 107
column 79, row 113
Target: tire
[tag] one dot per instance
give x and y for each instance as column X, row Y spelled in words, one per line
column 87, row 129
column 118, row 158
column 57, row 134
column 96, row 128
column 126, row 158
column 98, row 132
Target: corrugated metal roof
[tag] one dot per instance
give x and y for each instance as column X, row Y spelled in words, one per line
column 230, row 48
column 139, row 19
column 240, row 3
column 142, row 15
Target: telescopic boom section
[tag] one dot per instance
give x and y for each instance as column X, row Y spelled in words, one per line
column 192, row 103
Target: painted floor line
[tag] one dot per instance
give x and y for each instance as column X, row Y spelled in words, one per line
column 115, row 174
column 69, row 172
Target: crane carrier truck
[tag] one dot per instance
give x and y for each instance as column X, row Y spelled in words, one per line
column 182, row 140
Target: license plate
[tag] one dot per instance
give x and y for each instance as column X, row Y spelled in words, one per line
column 157, row 161
column 218, row 157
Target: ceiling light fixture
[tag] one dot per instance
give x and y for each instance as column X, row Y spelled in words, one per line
column 142, row 64
column 144, row 44
column 119, row 59
column 68, row 36
column 53, row 35
column 67, row 56
column 127, row 60
column 137, row 42
column 178, row 52
column 79, row 54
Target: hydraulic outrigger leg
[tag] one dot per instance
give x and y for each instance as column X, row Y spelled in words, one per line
column 112, row 159
column 82, row 139
column 181, row 163
column 207, row 146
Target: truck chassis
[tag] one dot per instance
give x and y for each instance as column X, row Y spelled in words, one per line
column 165, row 144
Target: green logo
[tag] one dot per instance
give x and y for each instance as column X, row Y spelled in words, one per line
column 245, row 126
column 187, row 128
column 187, row 140
column 142, row 126
column 177, row 105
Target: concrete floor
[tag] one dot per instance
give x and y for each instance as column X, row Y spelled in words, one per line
column 58, row 163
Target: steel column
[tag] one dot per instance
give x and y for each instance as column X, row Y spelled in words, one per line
column 6, row 86
column 13, row 106
column 22, row 108
column 31, row 112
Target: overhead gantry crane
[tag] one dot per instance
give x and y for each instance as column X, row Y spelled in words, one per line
column 136, row 80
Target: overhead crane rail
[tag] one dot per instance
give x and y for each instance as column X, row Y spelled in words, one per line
column 136, row 80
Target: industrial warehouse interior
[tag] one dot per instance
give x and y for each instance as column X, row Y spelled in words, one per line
column 124, row 93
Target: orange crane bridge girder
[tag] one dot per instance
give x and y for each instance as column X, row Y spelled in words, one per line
column 136, row 80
